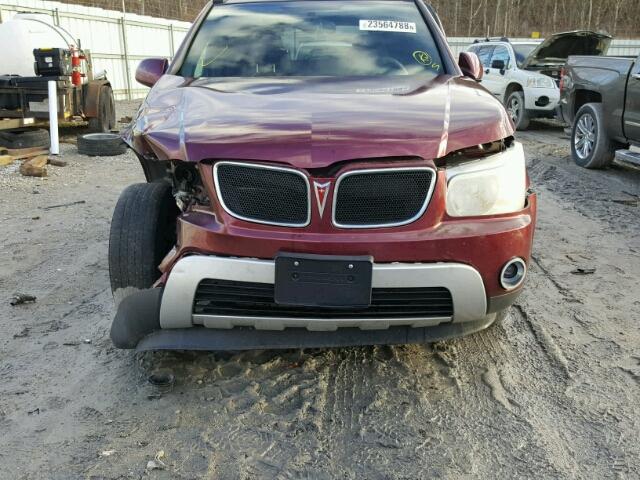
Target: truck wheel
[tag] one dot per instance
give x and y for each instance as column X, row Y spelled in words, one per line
column 590, row 145
column 101, row 145
column 143, row 230
column 106, row 119
column 25, row 138
column 516, row 110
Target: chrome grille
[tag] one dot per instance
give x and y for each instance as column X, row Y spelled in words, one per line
column 263, row 194
column 383, row 197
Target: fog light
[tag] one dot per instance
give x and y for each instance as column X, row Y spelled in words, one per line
column 513, row 274
column 542, row 102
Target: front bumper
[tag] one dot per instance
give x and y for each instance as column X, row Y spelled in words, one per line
column 164, row 318
column 176, row 311
column 541, row 99
column 199, row 338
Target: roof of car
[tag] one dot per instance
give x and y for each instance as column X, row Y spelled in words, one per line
column 506, row 40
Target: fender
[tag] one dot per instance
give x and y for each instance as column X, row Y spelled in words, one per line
column 91, row 104
column 513, row 86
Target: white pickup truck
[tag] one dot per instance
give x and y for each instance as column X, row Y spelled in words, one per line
column 525, row 75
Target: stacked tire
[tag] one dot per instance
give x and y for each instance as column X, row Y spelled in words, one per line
column 24, row 138
column 101, row 144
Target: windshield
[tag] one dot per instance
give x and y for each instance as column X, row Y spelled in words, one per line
column 522, row 51
column 313, row 38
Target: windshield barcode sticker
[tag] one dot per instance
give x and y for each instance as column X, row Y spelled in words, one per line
column 387, row 26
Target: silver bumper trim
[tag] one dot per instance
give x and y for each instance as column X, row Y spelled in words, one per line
column 176, row 310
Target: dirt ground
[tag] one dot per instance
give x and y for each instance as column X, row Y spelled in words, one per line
column 552, row 392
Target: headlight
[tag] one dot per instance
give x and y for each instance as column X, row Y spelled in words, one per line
column 490, row 186
column 540, row 82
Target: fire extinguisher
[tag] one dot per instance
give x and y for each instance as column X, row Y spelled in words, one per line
column 76, row 59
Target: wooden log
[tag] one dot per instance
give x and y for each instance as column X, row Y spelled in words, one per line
column 23, row 153
column 35, row 167
column 57, row 162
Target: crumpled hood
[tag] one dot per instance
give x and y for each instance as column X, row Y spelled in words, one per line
column 313, row 123
column 557, row 48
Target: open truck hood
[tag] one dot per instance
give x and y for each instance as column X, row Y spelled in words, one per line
column 557, row 48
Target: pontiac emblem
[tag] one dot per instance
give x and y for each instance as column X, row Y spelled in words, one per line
column 322, row 193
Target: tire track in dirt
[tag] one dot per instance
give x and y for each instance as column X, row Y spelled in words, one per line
column 347, row 394
column 265, row 427
column 498, row 387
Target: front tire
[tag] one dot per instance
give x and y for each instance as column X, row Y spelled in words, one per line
column 143, row 231
column 590, row 145
column 517, row 111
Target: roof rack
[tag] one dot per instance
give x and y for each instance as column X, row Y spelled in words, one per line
column 492, row 39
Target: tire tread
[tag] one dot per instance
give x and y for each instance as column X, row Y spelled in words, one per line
column 137, row 241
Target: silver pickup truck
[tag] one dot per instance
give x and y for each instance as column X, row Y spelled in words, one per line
column 600, row 98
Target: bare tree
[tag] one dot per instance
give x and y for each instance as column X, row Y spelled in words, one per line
column 516, row 18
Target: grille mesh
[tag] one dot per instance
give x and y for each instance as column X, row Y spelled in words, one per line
column 229, row 298
column 382, row 198
column 264, row 195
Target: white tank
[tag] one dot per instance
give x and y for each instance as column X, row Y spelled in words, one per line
column 21, row 35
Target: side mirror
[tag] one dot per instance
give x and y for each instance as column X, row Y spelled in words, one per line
column 150, row 70
column 498, row 64
column 470, row 65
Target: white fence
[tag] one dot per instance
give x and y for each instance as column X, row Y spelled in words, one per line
column 119, row 41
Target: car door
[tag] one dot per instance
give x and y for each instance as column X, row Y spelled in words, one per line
column 484, row 53
column 499, row 67
column 632, row 104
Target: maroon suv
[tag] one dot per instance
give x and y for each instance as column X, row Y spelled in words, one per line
column 319, row 173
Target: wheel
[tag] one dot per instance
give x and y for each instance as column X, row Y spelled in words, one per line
column 24, row 138
column 143, row 231
column 101, row 144
column 590, row 145
column 517, row 111
column 106, row 119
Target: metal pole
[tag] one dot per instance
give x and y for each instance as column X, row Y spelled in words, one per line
column 53, row 117
column 171, row 45
column 125, row 53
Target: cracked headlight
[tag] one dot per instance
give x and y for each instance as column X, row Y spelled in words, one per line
column 492, row 185
column 540, row 82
